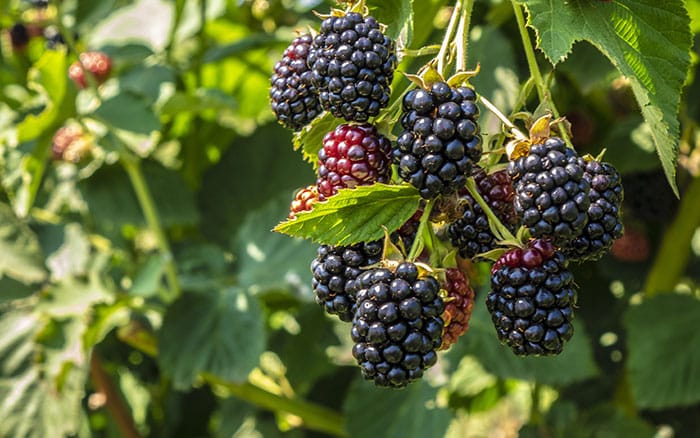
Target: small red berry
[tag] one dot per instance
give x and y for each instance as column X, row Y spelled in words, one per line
column 458, row 306
column 303, row 201
column 97, row 63
column 70, row 144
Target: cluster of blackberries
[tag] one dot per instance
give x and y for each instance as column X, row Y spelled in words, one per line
column 345, row 69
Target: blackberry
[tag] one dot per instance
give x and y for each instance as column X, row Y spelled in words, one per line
column 53, row 38
column 70, row 144
column 604, row 222
column 551, row 194
column 335, row 269
column 532, row 299
column 19, row 36
column 292, row 96
column 471, row 233
column 440, row 142
column 397, row 326
column 304, row 200
column 353, row 64
column 97, row 63
column 458, row 306
column 352, row 155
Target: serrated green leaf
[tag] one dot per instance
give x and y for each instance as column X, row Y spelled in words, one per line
column 573, row 365
column 355, row 215
column 648, row 41
column 662, row 335
column 219, row 332
column 310, row 139
column 20, row 254
column 409, row 413
column 397, row 15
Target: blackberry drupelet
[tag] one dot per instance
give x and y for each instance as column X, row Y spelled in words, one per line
column 604, row 221
column 292, row 96
column 458, row 306
column 471, row 233
column 351, row 156
column 551, row 194
column 397, row 326
column 353, row 65
column 532, row 299
column 440, row 142
column 303, row 200
column 335, row 269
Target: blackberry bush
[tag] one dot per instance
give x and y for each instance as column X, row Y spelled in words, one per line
column 397, row 326
column 292, row 96
column 604, row 221
column 551, row 193
column 440, row 142
column 353, row 64
column 459, row 304
column 532, row 299
column 352, row 155
column 335, row 269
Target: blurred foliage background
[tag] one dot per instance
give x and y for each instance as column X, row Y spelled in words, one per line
column 142, row 292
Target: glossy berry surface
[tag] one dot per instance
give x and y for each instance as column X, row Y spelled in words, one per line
column 292, row 96
column 532, row 299
column 303, row 200
column 604, row 214
column 335, row 269
column 353, row 65
column 471, row 233
column 441, row 142
column 97, row 63
column 459, row 305
column 551, row 194
column 351, row 156
column 397, row 326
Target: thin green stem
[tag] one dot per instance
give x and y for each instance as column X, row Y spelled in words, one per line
column 447, row 40
column 132, row 166
column 506, row 121
column 462, row 39
column 424, row 222
column 497, row 228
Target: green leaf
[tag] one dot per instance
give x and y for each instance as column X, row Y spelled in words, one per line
column 233, row 413
column 397, row 15
column 129, row 112
column 355, row 215
column 310, row 139
column 267, row 260
column 218, row 332
column 74, row 298
column 573, row 365
column 648, row 41
column 71, row 258
column 664, row 351
column 146, row 81
column 203, row 99
column 20, row 254
column 148, row 280
column 409, row 413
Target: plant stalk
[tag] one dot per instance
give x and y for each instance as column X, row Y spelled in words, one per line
column 497, row 228
column 114, row 402
column 447, row 40
column 424, row 222
column 462, row 39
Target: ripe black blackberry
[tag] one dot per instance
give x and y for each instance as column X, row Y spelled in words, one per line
column 532, row 299
column 292, row 97
column 19, row 36
column 471, row 233
column 458, row 307
column 604, row 221
column 551, row 194
column 440, row 142
column 335, row 269
column 351, row 156
column 397, row 326
column 353, row 64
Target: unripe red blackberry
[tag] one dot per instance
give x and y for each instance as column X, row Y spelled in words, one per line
column 353, row 64
column 351, row 156
column 551, row 194
column 292, row 96
column 532, row 299
column 397, row 326
column 303, row 200
column 441, row 142
column 458, row 306
column 604, row 214
column 70, row 144
column 97, row 63
column 471, row 233
column 335, row 269
column 633, row 246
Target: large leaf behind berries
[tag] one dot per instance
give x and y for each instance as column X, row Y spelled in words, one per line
column 397, row 15
column 574, row 364
column 647, row 40
column 219, row 332
column 20, row 255
column 408, row 413
column 664, row 351
column 355, row 215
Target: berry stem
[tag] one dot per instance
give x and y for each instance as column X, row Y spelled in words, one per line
column 497, row 228
column 418, row 244
column 491, row 107
column 447, row 40
column 132, row 166
column 462, row 39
